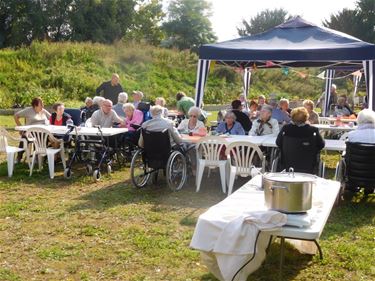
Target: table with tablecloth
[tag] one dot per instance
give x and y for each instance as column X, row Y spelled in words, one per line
column 248, row 200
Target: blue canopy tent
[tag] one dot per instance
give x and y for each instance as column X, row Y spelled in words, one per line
column 295, row 43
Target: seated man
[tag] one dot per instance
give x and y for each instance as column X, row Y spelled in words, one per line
column 88, row 109
column 365, row 132
column 342, row 109
column 118, row 107
column 241, row 117
column 158, row 124
column 265, row 125
column 281, row 113
column 106, row 116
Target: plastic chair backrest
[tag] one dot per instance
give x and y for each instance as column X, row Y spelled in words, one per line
column 324, row 121
column 242, row 156
column 75, row 114
column 3, row 140
column 39, row 137
column 299, row 153
column 211, row 148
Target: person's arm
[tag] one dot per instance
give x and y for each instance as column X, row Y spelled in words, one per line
column 120, row 87
column 253, row 129
column 99, row 89
column 137, row 118
column 175, row 135
column 182, row 126
column 279, row 139
column 47, row 113
column 117, row 119
column 320, row 143
column 95, row 120
column 240, row 130
column 17, row 116
column 220, row 128
column 275, row 128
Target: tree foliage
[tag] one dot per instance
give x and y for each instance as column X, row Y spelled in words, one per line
column 263, row 21
column 188, row 25
column 359, row 22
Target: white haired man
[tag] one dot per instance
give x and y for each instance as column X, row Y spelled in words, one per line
column 106, row 116
column 365, row 131
column 159, row 124
column 121, row 100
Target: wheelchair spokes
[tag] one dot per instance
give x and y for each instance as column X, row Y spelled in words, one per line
column 139, row 170
column 176, row 171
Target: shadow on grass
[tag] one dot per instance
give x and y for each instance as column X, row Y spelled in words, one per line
column 159, row 195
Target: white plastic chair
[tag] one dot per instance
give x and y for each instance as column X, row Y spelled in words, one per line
column 11, row 151
column 241, row 161
column 40, row 137
column 209, row 150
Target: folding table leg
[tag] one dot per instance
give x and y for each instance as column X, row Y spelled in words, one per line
column 319, row 249
column 282, row 249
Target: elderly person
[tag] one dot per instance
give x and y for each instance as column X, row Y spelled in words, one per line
column 133, row 117
column 106, row 116
column 193, row 125
column 281, row 113
column 121, row 100
column 245, row 105
column 137, row 98
column 110, row 89
column 34, row 115
column 342, row 109
column 365, row 131
column 241, row 117
column 230, row 125
column 59, row 117
column 88, row 109
column 158, row 124
column 313, row 116
column 161, row 101
column 265, row 125
column 261, row 101
column 184, row 103
column 299, row 129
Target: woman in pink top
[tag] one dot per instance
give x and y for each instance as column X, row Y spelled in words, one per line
column 133, row 117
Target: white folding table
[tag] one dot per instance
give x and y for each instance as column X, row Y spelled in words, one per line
column 251, row 198
column 82, row 131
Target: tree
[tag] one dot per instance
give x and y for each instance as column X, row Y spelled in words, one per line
column 359, row 22
column 101, row 21
column 263, row 21
column 146, row 25
column 188, row 24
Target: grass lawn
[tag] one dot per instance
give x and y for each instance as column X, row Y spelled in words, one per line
column 82, row 230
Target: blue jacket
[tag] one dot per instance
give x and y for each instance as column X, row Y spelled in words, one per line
column 236, row 129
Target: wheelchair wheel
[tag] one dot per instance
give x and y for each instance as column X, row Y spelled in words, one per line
column 139, row 171
column 96, row 175
column 176, row 171
column 88, row 169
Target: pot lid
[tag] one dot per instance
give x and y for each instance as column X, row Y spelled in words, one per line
column 290, row 177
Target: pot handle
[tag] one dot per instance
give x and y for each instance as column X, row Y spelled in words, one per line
column 291, row 172
column 279, row 187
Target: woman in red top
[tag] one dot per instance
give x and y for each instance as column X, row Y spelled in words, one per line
column 59, row 117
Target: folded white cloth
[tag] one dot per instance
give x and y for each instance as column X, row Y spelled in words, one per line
column 239, row 235
column 299, row 220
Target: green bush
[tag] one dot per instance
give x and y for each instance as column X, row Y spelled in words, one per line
column 72, row 71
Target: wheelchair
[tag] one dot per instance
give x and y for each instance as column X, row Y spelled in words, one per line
column 93, row 152
column 300, row 154
column 356, row 168
column 156, row 155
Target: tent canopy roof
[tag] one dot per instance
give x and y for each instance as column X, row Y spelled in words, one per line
column 293, row 43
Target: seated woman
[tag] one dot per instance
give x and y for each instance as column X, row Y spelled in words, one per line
column 161, row 101
column 342, row 109
column 253, row 111
column 313, row 116
column 299, row 132
column 133, row 120
column 265, row 125
column 192, row 125
column 59, row 117
column 365, row 131
column 230, row 125
column 34, row 115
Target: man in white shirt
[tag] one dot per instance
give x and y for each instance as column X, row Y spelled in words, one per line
column 159, row 124
column 106, row 116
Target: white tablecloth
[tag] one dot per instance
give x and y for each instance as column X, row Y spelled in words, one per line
column 83, row 131
column 248, row 199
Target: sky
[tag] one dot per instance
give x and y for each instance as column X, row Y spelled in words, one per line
column 228, row 14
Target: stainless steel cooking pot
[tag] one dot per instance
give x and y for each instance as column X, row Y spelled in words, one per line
column 288, row 192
